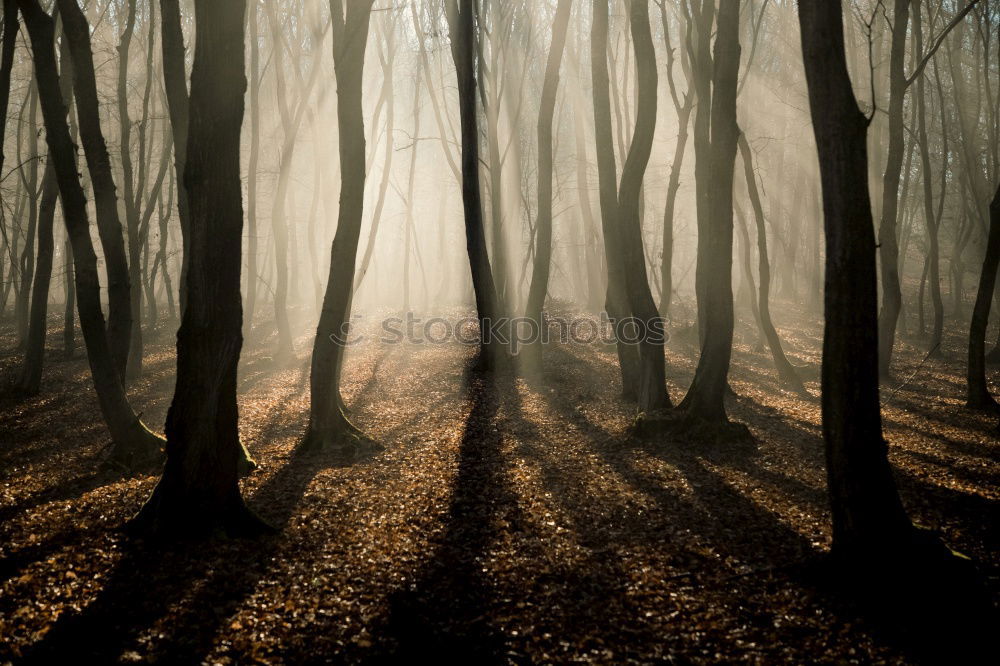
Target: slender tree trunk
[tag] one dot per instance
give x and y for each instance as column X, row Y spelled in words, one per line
column 651, row 390
column 69, row 311
column 329, row 427
column 10, row 29
column 543, row 225
column 26, row 261
column 175, row 85
column 132, row 441
column 785, row 370
column 253, row 169
column 978, row 396
column 461, row 20
column 120, row 314
column 931, row 220
column 867, row 513
column 616, row 302
column 30, row 378
column 705, row 400
column 199, row 493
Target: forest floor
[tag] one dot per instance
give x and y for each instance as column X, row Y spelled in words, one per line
column 505, row 520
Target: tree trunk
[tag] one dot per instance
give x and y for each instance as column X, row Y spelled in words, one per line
column 978, row 391
column 175, row 85
column 867, row 513
column 616, row 302
column 198, row 494
column 132, row 441
column 931, row 219
column 543, row 225
column 651, row 390
column 461, row 21
column 30, row 378
column 705, row 400
column 120, row 313
column 329, row 427
column 785, row 370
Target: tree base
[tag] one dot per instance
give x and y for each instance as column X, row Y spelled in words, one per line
column 922, row 595
column 679, row 425
column 163, row 519
column 140, row 448
column 983, row 403
column 345, row 442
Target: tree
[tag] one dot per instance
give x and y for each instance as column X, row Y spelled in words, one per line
column 199, row 493
column 651, row 387
column 868, row 516
column 329, row 427
column 120, row 314
column 705, row 400
column 978, row 396
column 543, row 225
column 175, row 85
column 461, row 24
column 616, row 303
column 132, row 441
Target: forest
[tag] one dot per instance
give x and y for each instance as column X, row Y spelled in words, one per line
column 499, row 331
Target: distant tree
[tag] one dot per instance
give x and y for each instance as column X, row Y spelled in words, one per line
column 868, row 516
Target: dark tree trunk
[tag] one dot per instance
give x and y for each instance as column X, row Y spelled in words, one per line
column 867, row 513
column 109, row 226
column 978, row 391
column 132, row 441
column 543, row 225
column 888, row 241
column 932, row 220
column 175, row 85
column 616, row 303
column 651, row 389
column 329, row 427
column 461, row 21
column 198, row 494
column 252, row 171
column 705, row 400
column 10, row 28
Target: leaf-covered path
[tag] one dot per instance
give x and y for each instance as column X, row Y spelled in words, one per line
column 504, row 520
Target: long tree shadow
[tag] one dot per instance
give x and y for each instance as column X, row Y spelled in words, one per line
column 930, row 609
column 445, row 614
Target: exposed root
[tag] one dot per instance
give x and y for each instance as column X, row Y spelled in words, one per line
column 345, row 442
